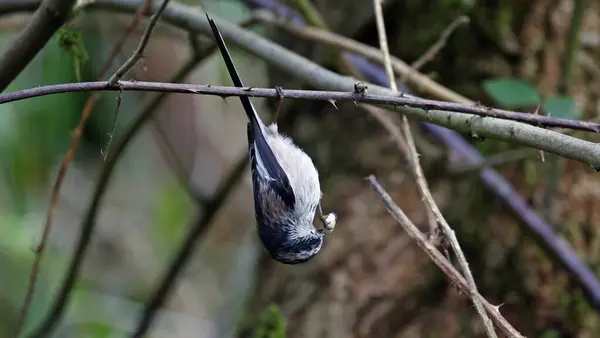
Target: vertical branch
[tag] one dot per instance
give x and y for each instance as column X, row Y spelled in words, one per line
column 422, row 183
column 114, row 125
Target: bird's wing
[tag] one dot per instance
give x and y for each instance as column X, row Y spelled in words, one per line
column 262, row 159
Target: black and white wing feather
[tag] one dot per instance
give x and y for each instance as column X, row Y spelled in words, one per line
column 263, row 162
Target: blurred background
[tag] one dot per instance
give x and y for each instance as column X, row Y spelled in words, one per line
column 369, row 280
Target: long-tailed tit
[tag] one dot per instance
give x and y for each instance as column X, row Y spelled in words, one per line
column 285, row 181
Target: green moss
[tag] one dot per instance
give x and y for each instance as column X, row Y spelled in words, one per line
column 272, row 324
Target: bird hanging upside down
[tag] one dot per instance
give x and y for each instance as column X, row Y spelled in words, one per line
column 285, row 182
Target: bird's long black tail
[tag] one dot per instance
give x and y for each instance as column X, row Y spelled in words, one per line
column 260, row 151
column 235, row 77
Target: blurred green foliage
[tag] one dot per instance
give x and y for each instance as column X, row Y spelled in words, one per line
column 561, row 107
column 171, row 214
column 34, row 137
column 40, row 127
column 272, row 324
column 72, row 41
column 512, row 93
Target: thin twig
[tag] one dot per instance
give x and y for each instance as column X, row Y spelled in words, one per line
column 185, row 251
column 420, row 81
column 422, row 183
column 413, row 156
column 114, row 126
column 184, row 17
column 65, row 165
column 46, row 20
column 312, row 16
column 140, row 49
column 395, row 100
column 432, row 51
column 439, row 259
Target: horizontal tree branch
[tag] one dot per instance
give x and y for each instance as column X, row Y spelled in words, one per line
column 404, row 100
column 419, row 81
column 193, row 20
column 515, row 132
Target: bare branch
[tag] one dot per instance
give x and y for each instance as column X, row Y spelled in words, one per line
column 140, row 49
column 192, row 20
column 439, row 259
column 440, row 43
column 423, row 186
column 419, row 81
column 395, row 100
column 514, row 132
column 47, row 19
column 114, row 125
